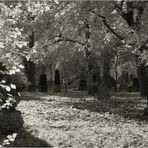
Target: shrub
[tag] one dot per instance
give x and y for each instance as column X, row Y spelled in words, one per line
column 20, row 80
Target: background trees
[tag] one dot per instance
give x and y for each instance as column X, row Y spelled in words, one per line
column 81, row 39
column 69, row 32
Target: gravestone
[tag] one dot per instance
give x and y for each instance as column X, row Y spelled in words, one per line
column 57, row 82
column 43, row 81
column 133, row 84
column 112, row 83
column 123, row 81
column 93, row 81
column 143, row 83
column 136, row 84
column 83, row 79
column 143, row 79
column 50, row 84
column 127, row 77
column 130, row 84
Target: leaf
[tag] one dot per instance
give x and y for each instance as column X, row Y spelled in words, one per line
column 2, row 45
column 17, row 70
column 14, row 135
column 9, row 136
column 3, row 81
column 14, row 67
column 19, row 94
column 12, row 86
column 8, row 88
column 25, row 43
column 21, row 66
column 11, row 139
column 6, row 140
column 20, row 45
column 12, row 72
column 9, row 95
column 114, row 11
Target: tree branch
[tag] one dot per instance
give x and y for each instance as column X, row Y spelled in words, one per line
column 60, row 9
column 67, row 40
column 120, row 11
column 117, row 6
column 144, row 45
column 104, row 20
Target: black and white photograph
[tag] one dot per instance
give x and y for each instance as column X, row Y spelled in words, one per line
column 74, row 73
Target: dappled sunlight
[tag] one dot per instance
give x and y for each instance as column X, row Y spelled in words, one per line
column 60, row 63
column 85, row 121
column 22, row 139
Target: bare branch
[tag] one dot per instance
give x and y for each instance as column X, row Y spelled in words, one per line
column 120, row 11
column 104, row 20
column 67, row 40
column 143, row 46
column 57, row 11
column 117, row 6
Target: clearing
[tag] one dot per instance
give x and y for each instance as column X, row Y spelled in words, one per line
column 75, row 119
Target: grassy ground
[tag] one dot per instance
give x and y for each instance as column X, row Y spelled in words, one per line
column 78, row 120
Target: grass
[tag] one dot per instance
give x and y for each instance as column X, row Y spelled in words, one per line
column 75, row 119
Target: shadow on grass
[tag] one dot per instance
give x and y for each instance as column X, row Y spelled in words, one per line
column 27, row 96
column 126, row 105
column 125, row 94
column 25, row 139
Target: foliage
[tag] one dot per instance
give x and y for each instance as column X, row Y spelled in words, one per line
column 107, row 29
column 20, row 81
column 11, row 42
column 63, row 23
column 9, row 96
column 61, row 35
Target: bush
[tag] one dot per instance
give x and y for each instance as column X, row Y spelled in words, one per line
column 20, row 80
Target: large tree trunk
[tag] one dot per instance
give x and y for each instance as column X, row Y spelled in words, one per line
column 84, row 69
column 135, row 24
column 30, row 71
column 83, row 79
column 94, row 80
column 103, row 91
column 2, row 69
column 143, row 79
column 133, row 17
column 30, row 67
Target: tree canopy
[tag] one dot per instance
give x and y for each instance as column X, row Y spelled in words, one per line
column 68, row 28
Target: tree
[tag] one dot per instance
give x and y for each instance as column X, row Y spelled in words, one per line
column 89, row 26
column 135, row 14
column 79, row 27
